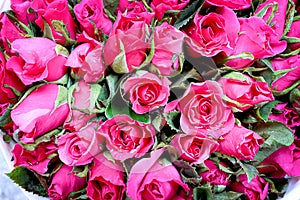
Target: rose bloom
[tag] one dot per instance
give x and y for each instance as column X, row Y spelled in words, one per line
column 168, row 42
column 127, row 138
column 150, row 179
column 203, row 110
column 106, row 180
column 294, row 32
column 36, row 160
column 214, row 175
column 138, row 10
column 241, row 143
column 161, row 6
column 146, row 92
column 40, row 107
column 20, row 8
column 257, row 189
column 213, row 33
column 64, row 182
column 80, row 148
column 245, row 91
column 235, row 5
column 194, row 148
column 91, row 15
column 32, row 65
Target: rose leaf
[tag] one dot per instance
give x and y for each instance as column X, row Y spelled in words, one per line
column 264, row 111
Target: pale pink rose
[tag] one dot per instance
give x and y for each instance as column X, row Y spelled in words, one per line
column 40, row 107
column 257, row 189
column 106, row 180
column 168, row 42
column 162, row 6
column 91, row 15
column 32, row 65
column 127, row 138
column 203, row 110
column 235, row 5
column 214, row 175
column 241, row 143
column 36, row 160
column 150, row 179
column 213, row 33
column 194, row 148
column 146, row 92
column 246, row 91
column 64, row 182
column 80, row 148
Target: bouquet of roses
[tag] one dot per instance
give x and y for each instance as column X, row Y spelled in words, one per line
column 107, row 99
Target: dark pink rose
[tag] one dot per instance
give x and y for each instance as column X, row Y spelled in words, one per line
column 55, row 10
column 32, row 65
column 138, row 10
column 245, row 91
column 291, row 77
column 36, row 160
column 168, row 42
column 80, row 148
column 82, row 104
column 214, row 175
column 150, row 179
column 123, row 5
column 126, row 47
column 162, row 6
column 213, row 33
column 127, row 138
column 194, row 148
column 257, row 189
column 278, row 20
column 146, row 91
column 241, row 143
column 106, row 180
column 91, row 15
column 39, row 107
column 235, row 5
column 295, row 33
column 8, row 79
column 20, row 8
column 285, row 160
column 203, row 110
column 262, row 42
column 64, row 182
column 286, row 115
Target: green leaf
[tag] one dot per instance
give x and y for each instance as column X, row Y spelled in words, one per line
column 81, row 173
column 5, row 117
column 111, row 5
column 264, row 111
column 47, row 31
column 243, row 55
column 291, row 40
column 265, row 151
column 289, row 17
column 277, row 132
column 188, row 13
column 120, row 65
column 267, row 62
column 27, row 180
column 236, row 75
column 170, row 117
column 287, row 90
column 250, row 170
column 62, row 97
column 61, row 50
column 202, row 193
column 156, row 122
column 228, row 195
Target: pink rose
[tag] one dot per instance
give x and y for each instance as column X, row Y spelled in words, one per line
column 245, row 91
column 123, row 5
column 80, row 148
column 138, row 10
column 86, row 62
column 291, row 77
column 285, row 160
column 20, row 8
column 286, row 115
column 126, row 48
column 215, row 175
column 241, row 143
column 36, row 160
column 147, row 91
column 295, row 33
column 168, row 42
column 106, row 180
column 235, row 5
column 127, row 138
column 162, row 6
column 91, row 15
column 64, row 182
column 262, row 42
column 257, row 189
column 39, row 107
column 150, row 179
column 8, row 79
column 81, row 101
column 194, row 148
column 203, row 110
column 55, row 10
column 213, row 33
column 32, row 65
